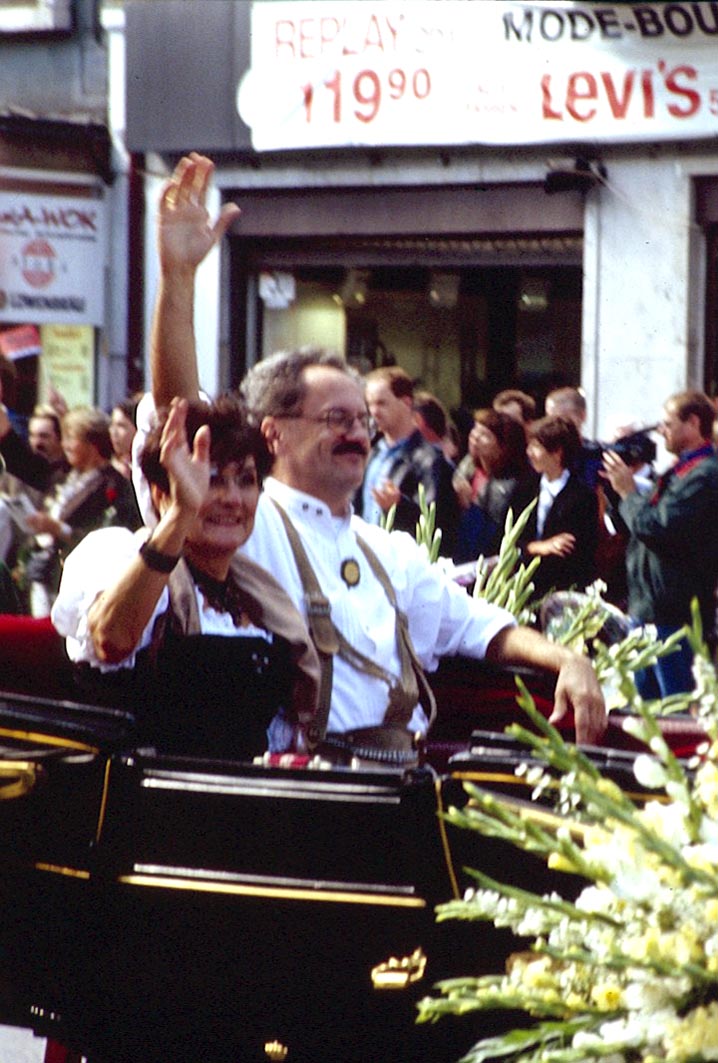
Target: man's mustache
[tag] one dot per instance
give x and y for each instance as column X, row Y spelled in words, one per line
column 352, row 447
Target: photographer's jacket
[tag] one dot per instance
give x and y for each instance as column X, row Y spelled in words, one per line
column 672, row 554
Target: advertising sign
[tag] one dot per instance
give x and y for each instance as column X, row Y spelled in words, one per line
column 67, row 365
column 52, row 259
column 417, row 72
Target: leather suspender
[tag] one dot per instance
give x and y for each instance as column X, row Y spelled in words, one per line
column 413, row 676
column 328, row 640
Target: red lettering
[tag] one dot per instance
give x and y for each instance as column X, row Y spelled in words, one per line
column 575, row 94
column 692, row 98
column 373, row 38
column 619, row 107
column 307, row 38
column 648, row 99
column 329, row 28
column 546, row 108
column 284, row 37
column 393, row 30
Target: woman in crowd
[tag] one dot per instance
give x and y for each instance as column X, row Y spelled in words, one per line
column 563, row 528
column 497, row 442
column 122, row 432
column 91, row 495
column 202, row 640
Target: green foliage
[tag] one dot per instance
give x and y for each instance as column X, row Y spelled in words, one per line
column 508, row 582
column 629, row 968
column 428, row 535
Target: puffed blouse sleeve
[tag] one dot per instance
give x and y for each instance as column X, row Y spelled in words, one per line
column 89, row 569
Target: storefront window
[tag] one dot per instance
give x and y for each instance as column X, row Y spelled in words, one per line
column 463, row 333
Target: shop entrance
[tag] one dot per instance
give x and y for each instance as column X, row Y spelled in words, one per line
column 464, row 332
column 470, row 288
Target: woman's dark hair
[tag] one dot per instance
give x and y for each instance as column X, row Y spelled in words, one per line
column 511, row 438
column 433, row 412
column 558, row 433
column 128, row 407
column 233, row 438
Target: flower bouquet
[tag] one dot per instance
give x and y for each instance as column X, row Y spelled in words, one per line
column 628, row 969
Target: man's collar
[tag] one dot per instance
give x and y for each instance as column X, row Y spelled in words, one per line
column 400, row 444
column 296, row 501
column 704, row 450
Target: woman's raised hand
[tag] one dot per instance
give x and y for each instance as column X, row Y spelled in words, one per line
column 188, row 470
column 185, row 233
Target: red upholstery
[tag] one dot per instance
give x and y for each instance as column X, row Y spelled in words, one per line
column 469, row 694
column 33, row 658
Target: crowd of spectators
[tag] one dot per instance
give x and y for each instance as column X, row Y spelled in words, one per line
column 67, row 475
column 376, row 615
column 68, row 472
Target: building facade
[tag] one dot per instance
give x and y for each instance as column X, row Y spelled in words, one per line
column 63, row 206
column 491, row 195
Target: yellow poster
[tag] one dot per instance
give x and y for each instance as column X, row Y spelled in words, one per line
column 67, row 364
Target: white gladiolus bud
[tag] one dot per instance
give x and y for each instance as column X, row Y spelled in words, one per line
column 649, row 772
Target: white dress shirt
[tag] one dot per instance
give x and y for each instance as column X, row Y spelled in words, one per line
column 548, row 490
column 443, row 618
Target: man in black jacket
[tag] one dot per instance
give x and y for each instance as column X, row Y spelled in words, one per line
column 672, row 554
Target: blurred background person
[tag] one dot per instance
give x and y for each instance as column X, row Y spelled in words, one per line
column 402, row 459
column 18, row 498
column 563, row 528
column 571, row 403
column 434, row 424
column 516, row 404
column 672, row 552
column 123, row 427
column 497, row 443
column 91, row 495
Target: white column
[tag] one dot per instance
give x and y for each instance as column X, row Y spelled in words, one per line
column 638, row 344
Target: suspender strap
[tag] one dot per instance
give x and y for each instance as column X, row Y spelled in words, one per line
column 412, row 674
column 403, row 696
column 321, row 628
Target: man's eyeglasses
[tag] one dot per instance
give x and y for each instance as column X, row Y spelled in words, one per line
column 337, row 419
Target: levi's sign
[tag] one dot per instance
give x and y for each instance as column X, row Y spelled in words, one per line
column 419, row 72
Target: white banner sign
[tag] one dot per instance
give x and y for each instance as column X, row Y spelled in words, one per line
column 439, row 72
column 52, row 259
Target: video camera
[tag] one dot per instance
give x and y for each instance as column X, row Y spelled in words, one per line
column 635, row 448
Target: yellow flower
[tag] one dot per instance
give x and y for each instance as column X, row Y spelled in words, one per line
column 681, row 947
column 559, row 862
column 606, row 997
column 610, row 789
column 695, row 1035
column 706, row 787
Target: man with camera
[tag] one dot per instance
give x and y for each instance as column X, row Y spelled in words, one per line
column 672, row 553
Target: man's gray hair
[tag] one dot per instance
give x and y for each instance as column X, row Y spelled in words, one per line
column 275, row 386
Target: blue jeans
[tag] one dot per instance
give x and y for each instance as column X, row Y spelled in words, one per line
column 670, row 674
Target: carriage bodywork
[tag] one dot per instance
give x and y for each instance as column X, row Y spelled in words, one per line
column 176, row 908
